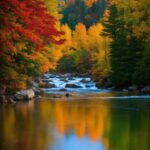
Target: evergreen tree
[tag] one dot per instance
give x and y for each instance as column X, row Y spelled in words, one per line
column 123, row 46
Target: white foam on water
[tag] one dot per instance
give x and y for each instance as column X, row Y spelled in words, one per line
column 85, row 84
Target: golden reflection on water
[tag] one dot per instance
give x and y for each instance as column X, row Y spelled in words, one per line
column 31, row 125
column 82, row 119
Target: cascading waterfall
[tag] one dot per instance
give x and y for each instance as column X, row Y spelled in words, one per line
column 67, row 82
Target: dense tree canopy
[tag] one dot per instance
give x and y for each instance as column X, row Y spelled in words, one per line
column 88, row 12
column 107, row 38
column 26, row 28
column 119, row 48
column 127, row 26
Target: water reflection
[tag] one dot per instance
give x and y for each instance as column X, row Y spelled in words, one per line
column 76, row 125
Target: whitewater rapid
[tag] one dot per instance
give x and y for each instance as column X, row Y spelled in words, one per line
column 62, row 83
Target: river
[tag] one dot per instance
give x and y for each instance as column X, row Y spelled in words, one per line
column 96, row 120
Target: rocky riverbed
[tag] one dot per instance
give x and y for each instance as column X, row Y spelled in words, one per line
column 64, row 85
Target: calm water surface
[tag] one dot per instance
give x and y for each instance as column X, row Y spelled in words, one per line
column 69, row 124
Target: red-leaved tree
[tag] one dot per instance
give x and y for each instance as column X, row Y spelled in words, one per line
column 27, row 22
column 30, row 19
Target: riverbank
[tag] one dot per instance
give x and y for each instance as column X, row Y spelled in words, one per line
column 68, row 85
column 142, row 89
column 32, row 92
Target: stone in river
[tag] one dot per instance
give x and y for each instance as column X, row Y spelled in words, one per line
column 87, row 86
column 72, row 86
column 67, row 94
column 85, row 81
column 24, row 95
column 63, row 89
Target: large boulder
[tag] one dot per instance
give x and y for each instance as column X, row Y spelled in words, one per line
column 24, row 95
column 72, row 86
column 85, row 80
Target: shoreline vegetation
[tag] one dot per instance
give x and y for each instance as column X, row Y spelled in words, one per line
column 108, row 39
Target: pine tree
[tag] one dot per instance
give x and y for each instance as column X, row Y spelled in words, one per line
column 123, row 47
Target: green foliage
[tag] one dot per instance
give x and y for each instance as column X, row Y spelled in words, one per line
column 78, row 61
column 67, row 64
column 142, row 73
column 83, row 57
column 128, row 56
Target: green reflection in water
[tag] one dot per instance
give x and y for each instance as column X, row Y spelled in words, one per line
column 110, row 124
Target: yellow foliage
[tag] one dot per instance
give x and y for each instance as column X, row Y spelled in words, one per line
column 52, row 6
column 80, row 36
column 68, row 37
column 99, row 46
column 94, row 36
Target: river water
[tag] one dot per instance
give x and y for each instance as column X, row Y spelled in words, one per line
column 60, row 82
column 99, row 120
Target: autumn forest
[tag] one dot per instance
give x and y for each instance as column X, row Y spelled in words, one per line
column 74, row 74
column 109, row 39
